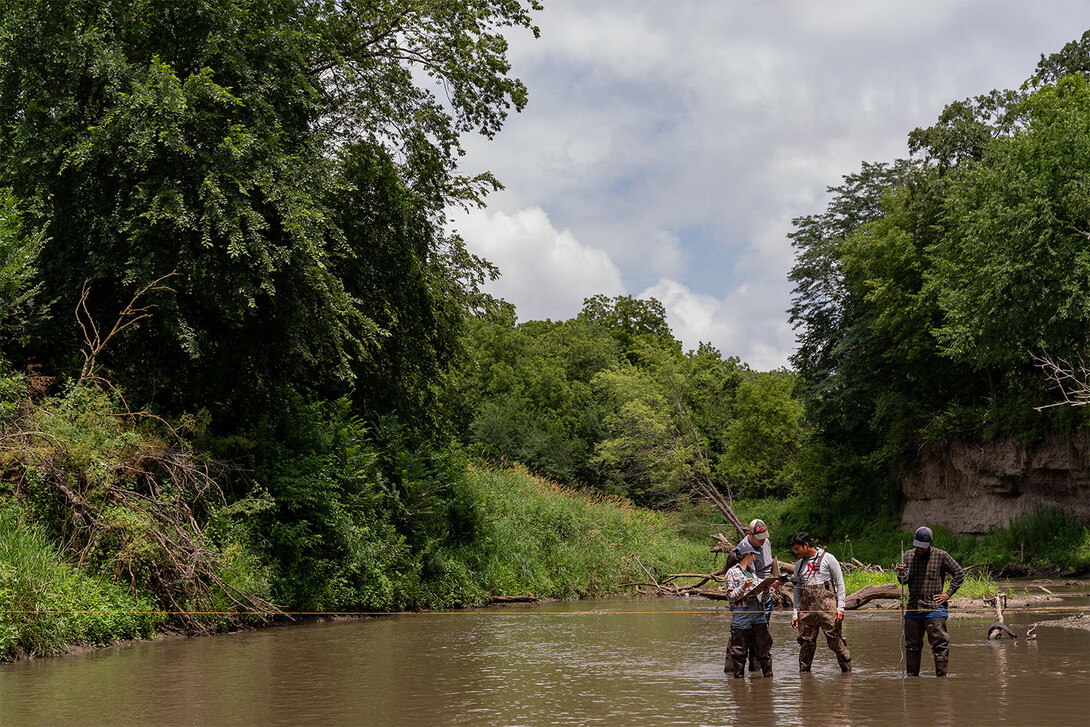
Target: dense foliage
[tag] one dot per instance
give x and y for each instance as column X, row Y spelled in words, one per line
column 246, row 369
column 924, row 290
column 286, row 163
column 608, row 400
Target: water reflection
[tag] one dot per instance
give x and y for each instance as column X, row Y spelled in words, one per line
column 616, row 662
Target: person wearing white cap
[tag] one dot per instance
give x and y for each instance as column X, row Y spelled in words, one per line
column 748, row 624
column 924, row 570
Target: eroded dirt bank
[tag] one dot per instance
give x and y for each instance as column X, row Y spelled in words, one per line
column 969, row 486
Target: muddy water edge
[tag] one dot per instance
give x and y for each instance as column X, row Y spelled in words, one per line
column 609, row 662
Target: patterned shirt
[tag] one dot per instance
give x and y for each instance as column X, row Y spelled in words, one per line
column 736, row 583
column 924, row 575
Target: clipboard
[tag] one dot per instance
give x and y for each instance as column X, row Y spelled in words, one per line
column 760, row 587
column 756, row 590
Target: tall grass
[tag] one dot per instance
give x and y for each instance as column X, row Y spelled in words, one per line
column 536, row 537
column 47, row 605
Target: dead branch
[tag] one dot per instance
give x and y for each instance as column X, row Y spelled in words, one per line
column 129, row 315
column 1072, row 381
column 999, row 626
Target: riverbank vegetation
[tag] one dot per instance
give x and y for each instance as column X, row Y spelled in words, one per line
column 246, row 370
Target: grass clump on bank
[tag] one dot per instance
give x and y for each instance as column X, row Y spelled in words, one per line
column 536, row 537
column 47, row 605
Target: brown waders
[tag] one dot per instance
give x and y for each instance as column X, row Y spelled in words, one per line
column 738, row 650
column 936, row 636
column 817, row 612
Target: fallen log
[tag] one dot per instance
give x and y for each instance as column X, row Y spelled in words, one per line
column 511, row 599
column 871, row 593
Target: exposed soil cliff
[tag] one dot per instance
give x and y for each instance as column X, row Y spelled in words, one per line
column 969, row 486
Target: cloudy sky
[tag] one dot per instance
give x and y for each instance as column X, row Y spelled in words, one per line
column 668, row 144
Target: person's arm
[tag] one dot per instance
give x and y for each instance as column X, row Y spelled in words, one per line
column 796, row 593
column 836, row 575
column 904, row 573
column 736, row 584
column 957, row 574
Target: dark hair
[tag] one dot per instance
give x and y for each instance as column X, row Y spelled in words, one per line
column 732, row 559
column 802, row 538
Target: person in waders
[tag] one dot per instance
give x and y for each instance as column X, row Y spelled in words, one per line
column 818, row 601
column 748, row 622
column 924, row 569
column 765, row 565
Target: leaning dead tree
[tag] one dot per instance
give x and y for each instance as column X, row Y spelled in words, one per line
column 1071, row 379
column 701, row 477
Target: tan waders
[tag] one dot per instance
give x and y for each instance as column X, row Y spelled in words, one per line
column 817, row 612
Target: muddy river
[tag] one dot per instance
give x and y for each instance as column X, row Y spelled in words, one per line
column 605, row 662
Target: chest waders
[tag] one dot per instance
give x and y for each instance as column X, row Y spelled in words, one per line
column 748, row 629
column 817, row 613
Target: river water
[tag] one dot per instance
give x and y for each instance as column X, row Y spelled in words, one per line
column 606, row 662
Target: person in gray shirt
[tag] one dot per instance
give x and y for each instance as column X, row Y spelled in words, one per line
column 818, row 601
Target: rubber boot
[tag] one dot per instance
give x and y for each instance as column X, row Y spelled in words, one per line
column 912, row 663
column 766, row 667
column 807, row 647
column 762, row 645
column 941, row 664
column 737, row 652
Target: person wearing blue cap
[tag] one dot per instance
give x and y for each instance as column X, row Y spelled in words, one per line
column 924, row 569
column 749, row 625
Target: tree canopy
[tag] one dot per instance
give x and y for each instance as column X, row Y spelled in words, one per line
column 926, row 287
column 267, row 153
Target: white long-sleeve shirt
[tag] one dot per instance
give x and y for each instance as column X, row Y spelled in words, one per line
column 808, row 573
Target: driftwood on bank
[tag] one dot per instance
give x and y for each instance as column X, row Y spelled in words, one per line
column 999, row 626
column 511, row 599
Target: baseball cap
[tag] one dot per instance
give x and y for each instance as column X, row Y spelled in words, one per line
column 758, row 529
column 744, row 547
column 923, row 538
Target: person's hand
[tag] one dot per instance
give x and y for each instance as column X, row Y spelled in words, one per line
column 900, row 567
column 749, row 583
column 839, row 616
column 941, row 598
column 794, row 622
column 775, row 585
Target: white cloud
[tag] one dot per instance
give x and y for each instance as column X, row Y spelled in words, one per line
column 676, row 141
column 749, row 322
column 544, row 272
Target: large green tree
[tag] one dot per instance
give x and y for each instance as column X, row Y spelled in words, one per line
column 230, row 143
column 922, row 290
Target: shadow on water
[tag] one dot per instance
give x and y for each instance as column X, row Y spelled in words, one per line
column 609, row 662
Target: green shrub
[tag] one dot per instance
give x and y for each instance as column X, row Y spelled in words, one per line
column 1044, row 538
column 47, row 605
